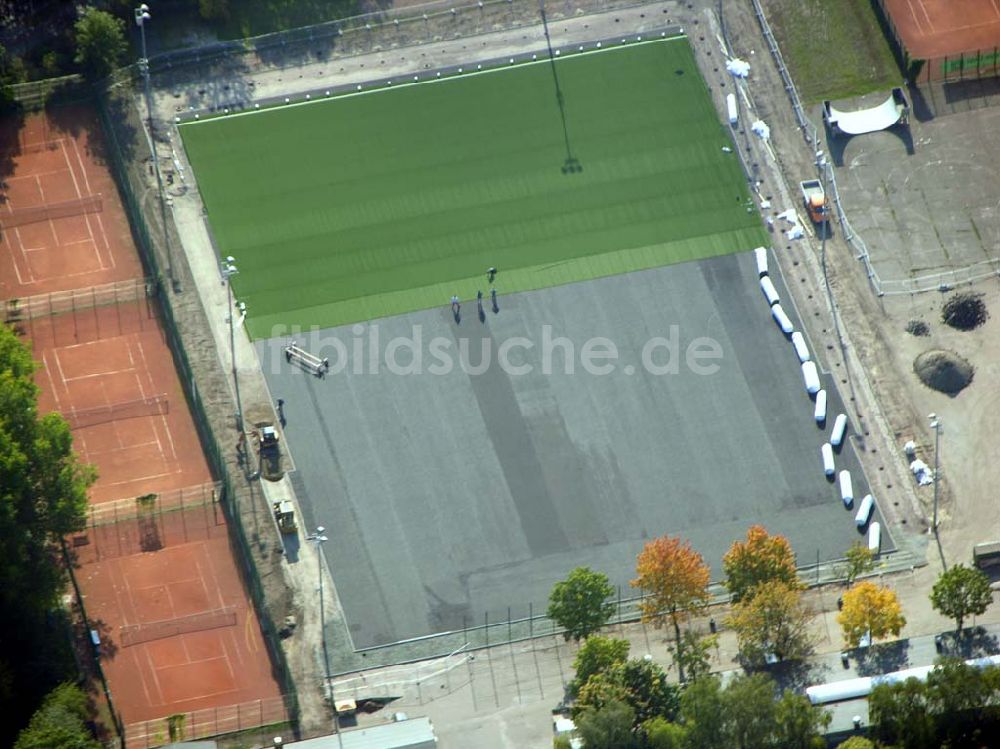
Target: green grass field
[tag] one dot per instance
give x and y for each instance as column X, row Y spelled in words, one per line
column 374, row 204
column 834, row 50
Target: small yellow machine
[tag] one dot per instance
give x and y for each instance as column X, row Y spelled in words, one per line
column 284, row 516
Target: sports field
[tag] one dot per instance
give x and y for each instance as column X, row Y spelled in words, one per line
column 383, row 202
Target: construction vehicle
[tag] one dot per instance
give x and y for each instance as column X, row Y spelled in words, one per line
column 284, row 516
column 270, row 452
column 814, row 199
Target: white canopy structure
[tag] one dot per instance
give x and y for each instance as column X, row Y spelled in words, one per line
column 894, row 110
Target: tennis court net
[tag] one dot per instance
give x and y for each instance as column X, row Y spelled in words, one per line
column 64, row 209
column 88, row 417
column 135, row 634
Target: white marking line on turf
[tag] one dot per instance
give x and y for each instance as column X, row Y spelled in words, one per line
column 451, row 76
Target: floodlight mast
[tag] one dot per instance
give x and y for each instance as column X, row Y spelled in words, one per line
column 142, row 17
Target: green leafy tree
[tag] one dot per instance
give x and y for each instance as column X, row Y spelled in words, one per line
column 579, row 604
column 760, row 560
column 797, row 724
column 860, row 560
column 961, row 592
column 958, row 696
column 693, row 656
column 662, row 734
column 774, row 621
column 597, row 654
column 607, row 727
column 856, row 742
column 901, row 716
column 11, row 72
column 214, row 10
column 60, row 722
column 100, row 42
column 43, row 497
column 749, row 711
column 701, row 714
column 639, row 683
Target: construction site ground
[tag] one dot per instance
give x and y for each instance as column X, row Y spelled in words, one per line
column 502, row 697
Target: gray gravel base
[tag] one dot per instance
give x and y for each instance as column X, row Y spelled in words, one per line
column 450, row 497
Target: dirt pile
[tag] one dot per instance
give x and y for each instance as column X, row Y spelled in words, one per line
column 944, row 371
column 966, row 311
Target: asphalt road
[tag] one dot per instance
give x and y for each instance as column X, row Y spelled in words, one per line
column 451, row 496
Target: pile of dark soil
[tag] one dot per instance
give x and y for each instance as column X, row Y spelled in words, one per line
column 966, row 311
column 918, row 328
column 944, row 371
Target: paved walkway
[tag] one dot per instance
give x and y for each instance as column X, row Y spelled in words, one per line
column 502, row 698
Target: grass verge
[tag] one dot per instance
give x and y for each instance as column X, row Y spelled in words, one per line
column 834, row 50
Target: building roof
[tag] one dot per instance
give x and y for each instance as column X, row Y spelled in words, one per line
column 415, row 733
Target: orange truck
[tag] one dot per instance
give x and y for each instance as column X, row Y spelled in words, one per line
column 814, row 199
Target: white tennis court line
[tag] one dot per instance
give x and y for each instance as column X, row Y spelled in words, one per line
column 50, row 222
column 97, row 216
column 142, row 393
column 163, row 416
column 79, row 194
column 52, row 382
column 19, row 250
column 916, row 19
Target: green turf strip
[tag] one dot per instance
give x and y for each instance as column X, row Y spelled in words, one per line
column 379, row 203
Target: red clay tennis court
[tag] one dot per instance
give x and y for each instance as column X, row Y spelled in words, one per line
column 181, row 645
column 61, row 220
column 178, row 634
column 952, row 36
column 128, row 413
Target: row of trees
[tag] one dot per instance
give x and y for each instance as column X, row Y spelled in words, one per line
column 43, row 497
column 769, row 616
column 44, row 40
column 628, row 704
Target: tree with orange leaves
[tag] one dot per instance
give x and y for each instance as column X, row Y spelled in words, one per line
column 675, row 579
column 761, row 559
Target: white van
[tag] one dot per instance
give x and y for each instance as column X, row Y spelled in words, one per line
column 819, row 413
column 828, row 466
column 731, row 107
column 846, row 488
column 811, row 377
column 801, row 349
column 782, row 319
column 761, row 256
column 865, row 511
column 839, row 428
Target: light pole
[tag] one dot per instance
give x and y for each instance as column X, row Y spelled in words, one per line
column 142, row 16
column 228, row 269
column 319, row 539
column 936, row 426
